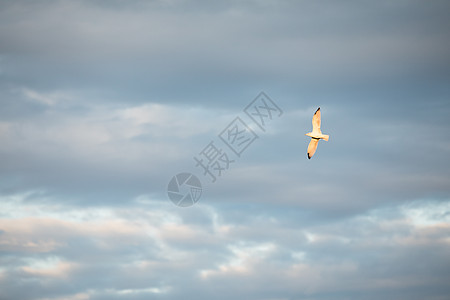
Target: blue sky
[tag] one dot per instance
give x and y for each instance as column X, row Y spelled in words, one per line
column 102, row 102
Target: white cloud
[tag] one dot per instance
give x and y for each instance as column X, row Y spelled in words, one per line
column 158, row 237
column 427, row 213
column 49, row 99
column 171, row 121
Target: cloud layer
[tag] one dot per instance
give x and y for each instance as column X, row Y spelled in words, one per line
column 102, row 102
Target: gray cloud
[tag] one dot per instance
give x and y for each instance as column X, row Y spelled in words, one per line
column 102, row 102
column 377, row 253
column 164, row 52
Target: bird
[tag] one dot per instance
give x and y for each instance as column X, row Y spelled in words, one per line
column 315, row 134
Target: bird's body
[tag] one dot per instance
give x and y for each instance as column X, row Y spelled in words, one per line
column 315, row 134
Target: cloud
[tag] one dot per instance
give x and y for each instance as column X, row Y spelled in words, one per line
column 102, row 102
column 165, row 254
column 74, row 141
column 161, row 51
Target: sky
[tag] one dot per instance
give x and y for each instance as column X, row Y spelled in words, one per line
column 104, row 102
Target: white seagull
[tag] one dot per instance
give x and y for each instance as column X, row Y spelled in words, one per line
column 316, row 134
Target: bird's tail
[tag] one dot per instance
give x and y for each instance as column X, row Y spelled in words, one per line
column 326, row 137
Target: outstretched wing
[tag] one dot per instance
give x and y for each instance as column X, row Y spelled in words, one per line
column 312, row 147
column 316, row 121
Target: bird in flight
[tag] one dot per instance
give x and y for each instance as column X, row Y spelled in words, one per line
column 315, row 134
